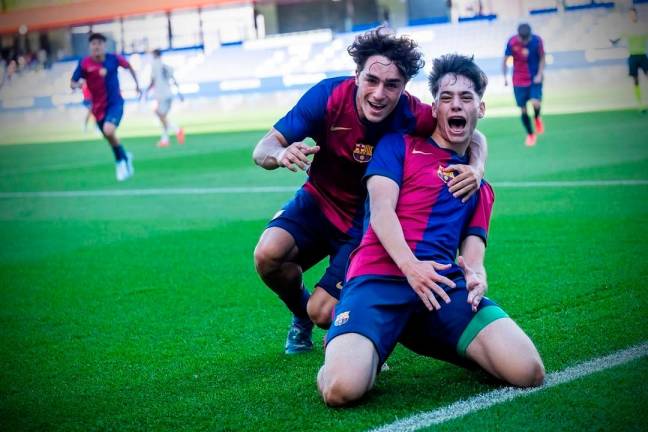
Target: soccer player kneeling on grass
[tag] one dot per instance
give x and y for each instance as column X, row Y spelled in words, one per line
column 346, row 117
column 403, row 284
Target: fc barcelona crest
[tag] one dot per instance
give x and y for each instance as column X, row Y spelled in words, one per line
column 362, row 152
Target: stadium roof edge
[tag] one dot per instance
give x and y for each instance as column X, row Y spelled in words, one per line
column 87, row 12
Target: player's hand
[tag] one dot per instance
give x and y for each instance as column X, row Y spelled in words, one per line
column 424, row 280
column 295, row 156
column 466, row 183
column 537, row 79
column 475, row 283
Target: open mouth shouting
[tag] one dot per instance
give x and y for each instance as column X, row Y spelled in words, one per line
column 456, row 125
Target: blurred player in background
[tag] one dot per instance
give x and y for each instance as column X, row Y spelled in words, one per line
column 636, row 37
column 161, row 80
column 87, row 102
column 528, row 55
column 99, row 72
column 346, row 116
column 403, row 283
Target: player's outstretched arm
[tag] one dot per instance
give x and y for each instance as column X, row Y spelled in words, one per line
column 470, row 176
column 505, row 69
column 471, row 260
column 421, row 275
column 134, row 75
column 273, row 151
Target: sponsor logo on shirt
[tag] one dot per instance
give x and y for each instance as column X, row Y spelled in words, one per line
column 342, row 318
column 363, row 152
column 445, row 174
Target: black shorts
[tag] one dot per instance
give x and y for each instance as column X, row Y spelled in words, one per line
column 636, row 62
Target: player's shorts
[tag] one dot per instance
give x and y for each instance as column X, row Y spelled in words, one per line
column 526, row 93
column 636, row 62
column 164, row 105
column 386, row 310
column 316, row 238
column 113, row 115
column 87, row 103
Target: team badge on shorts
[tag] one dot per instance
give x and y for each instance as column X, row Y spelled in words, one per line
column 444, row 174
column 342, row 318
column 363, row 152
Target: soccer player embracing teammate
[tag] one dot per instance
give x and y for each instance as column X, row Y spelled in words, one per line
column 347, row 117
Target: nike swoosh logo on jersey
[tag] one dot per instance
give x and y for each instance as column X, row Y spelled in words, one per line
column 339, row 128
column 420, row 152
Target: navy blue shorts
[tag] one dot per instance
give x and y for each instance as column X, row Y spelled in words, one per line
column 316, row 238
column 524, row 94
column 386, row 310
column 636, row 62
column 113, row 115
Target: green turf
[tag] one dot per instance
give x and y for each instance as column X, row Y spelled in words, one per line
column 135, row 313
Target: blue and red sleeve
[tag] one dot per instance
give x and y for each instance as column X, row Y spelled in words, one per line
column 480, row 220
column 121, row 61
column 388, row 159
column 307, row 116
column 78, row 72
column 508, row 51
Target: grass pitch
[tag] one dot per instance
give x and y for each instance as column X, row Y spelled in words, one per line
column 144, row 312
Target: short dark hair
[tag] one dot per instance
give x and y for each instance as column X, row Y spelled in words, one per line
column 524, row 30
column 157, row 52
column 96, row 36
column 457, row 64
column 401, row 50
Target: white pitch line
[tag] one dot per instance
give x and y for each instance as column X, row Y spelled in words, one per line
column 487, row 400
column 284, row 189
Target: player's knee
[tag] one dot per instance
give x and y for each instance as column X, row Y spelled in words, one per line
column 108, row 130
column 319, row 312
column 528, row 373
column 341, row 390
column 265, row 260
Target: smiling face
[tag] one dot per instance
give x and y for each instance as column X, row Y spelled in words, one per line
column 457, row 107
column 380, row 85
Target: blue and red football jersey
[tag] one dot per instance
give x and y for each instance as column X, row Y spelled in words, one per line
column 102, row 81
column 526, row 59
column 327, row 113
column 434, row 222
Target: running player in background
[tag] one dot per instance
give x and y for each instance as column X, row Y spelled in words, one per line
column 346, row 116
column 636, row 37
column 161, row 79
column 99, row 72
column 403, row 284
column 528, row 55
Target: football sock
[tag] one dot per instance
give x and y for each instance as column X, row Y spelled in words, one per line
column 526, row 121
column 637, row 92
column 165, row 136
column 536, row 112
column 296, row 301
column 120, row 153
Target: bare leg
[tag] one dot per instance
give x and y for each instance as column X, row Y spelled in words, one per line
column 320, row 307
column 274, row 258
column 506, row 352
column 349, row 369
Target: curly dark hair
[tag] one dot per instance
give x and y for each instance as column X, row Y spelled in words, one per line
column 401, row 50
column 457, row 64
